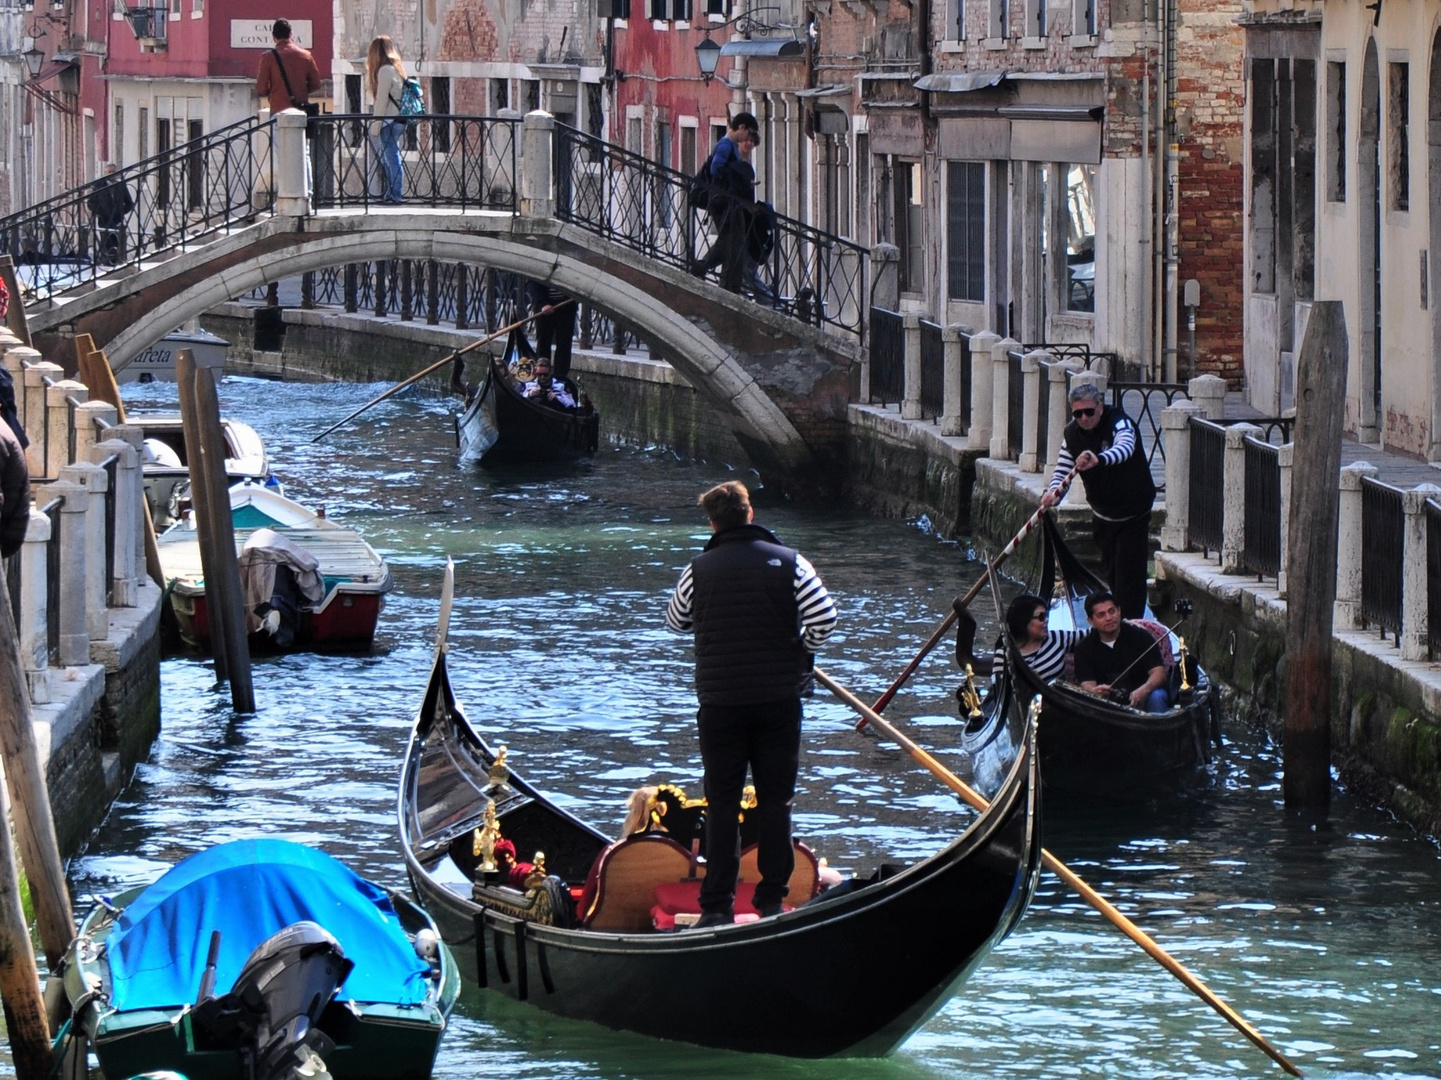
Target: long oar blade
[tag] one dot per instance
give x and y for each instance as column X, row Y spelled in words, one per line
column 1053, row 864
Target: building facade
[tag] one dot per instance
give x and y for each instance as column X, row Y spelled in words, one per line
column 1344, row 176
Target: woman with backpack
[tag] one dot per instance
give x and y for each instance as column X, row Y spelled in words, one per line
column 385, row 76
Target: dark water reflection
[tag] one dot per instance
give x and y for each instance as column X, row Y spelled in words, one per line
column 1328, row 938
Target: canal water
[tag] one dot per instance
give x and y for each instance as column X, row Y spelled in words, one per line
column 1327, row 936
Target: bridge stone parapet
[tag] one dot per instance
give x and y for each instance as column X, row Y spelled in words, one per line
column 782, row 385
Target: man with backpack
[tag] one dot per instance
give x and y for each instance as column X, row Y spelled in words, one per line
column 731, row 198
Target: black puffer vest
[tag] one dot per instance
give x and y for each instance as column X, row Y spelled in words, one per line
column 1116, row 492
column 747, row 631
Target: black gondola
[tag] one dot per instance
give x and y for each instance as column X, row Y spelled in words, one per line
column 1091, row 746
column 500, row 426
column 852, row 973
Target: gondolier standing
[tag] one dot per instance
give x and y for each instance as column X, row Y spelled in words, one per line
column 1103, row 445
column 759, row 614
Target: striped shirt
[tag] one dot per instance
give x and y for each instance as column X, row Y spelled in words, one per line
column 1049, row 661
column 1122, row 446
column 816, row 608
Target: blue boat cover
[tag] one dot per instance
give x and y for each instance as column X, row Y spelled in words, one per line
column 249, row 890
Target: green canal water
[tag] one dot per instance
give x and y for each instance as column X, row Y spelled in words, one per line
column 1328, row 937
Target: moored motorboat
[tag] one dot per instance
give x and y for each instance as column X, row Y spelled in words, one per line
column 499, row 425
column 156, row 363
column 1092, row 746
column 308, row 582
column 253, row 958
column 901, row 942
column 165, row 462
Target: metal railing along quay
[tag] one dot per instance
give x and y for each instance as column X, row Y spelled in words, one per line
column 1383, row 523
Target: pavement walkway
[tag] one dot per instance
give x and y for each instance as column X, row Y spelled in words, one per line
column 1398, row 470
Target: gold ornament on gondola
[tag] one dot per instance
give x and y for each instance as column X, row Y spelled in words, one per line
column 536, row 878
column 1181, row 652
column 483, row 844
column 499, row 772
column 971, row 695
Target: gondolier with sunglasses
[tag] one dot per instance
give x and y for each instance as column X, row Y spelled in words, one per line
column 1102, row 444
column 759, row 614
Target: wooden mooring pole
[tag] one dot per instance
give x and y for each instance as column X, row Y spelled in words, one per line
column 19, row 977
column 1311, row 573
column 210, row 496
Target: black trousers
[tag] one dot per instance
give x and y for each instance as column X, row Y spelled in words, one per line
column 556, row 330
column 729, row 253
column 1125, row 548
column 767, row 738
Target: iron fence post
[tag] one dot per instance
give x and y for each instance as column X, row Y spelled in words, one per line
column 1176, row 421
column 1285, row 455
column 1001, row 398
column 1233, row 512
column 1209, row 392
column 983, row 378
column 1349, row 549
column 33, row 613
column 1415, row 617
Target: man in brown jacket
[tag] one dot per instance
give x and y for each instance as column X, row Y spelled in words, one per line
column 300, row 68
column 14, row 493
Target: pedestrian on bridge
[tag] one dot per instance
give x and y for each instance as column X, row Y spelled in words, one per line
column 288, row 74
column 385, row 78
column 732, row 200
column 111, row 204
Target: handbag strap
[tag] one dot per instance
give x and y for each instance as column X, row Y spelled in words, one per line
column 286, row 79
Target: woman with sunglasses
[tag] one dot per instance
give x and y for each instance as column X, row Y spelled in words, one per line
column 1044, row 650
column 1104, row 447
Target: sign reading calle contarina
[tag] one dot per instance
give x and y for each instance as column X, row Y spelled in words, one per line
column 255, row 33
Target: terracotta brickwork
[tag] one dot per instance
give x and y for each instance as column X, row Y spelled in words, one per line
column 1210, row 116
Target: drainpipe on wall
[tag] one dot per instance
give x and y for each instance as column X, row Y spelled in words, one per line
column 1173, row 197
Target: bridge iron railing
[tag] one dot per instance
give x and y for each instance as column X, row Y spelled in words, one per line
column 176, row 197
column 466, row 162
column 625, row 197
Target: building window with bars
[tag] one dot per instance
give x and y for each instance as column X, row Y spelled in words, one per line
column 966, row 230
column 439, row 106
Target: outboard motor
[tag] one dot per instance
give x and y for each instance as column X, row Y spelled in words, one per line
column 271, row 1013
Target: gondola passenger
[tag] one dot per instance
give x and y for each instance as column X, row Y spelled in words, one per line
column 546, row 390
column 1044, row 649
column 1120, row 659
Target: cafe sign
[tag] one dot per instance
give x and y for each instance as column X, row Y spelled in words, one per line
column 255, row 33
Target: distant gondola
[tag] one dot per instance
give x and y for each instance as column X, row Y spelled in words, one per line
column 498, row 425
column 852, row 973
column 1091, row 746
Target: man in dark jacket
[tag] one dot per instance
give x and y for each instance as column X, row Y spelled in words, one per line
column 14, row 494
column 732, row 201
column 759, row 613
column 110, row 203
column 1104, row 446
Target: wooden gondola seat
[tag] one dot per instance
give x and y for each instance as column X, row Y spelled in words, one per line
column 627, row 875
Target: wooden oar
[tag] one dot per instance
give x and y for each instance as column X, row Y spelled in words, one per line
column 1053, row 864
column 960, row 605
column 437, row 366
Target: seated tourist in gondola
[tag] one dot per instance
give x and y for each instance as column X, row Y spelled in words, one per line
column 546, row 390
column 1119, row 659
column 1044, row 650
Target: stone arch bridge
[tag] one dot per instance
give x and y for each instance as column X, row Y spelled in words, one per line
column 521, row 196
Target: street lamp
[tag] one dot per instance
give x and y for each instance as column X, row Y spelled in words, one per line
column 707, row 55
column 34, row 60
column 708, row 52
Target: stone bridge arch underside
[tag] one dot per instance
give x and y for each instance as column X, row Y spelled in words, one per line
column 781, row 385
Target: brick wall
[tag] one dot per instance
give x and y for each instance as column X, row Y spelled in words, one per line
column 1210, row 113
